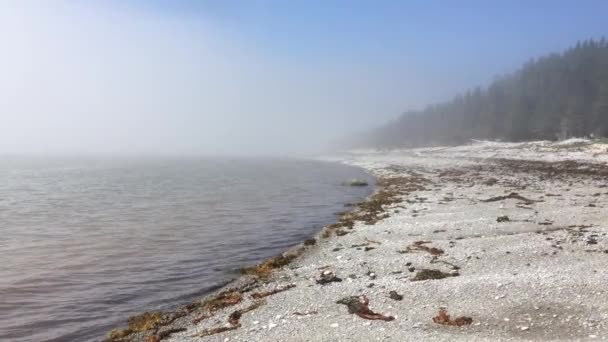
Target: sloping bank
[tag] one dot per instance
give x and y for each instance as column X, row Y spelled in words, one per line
column 445, row 249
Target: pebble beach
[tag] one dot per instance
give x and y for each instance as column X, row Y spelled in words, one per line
column 484, row 242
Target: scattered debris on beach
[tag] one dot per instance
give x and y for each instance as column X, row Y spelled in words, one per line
column 359, row 305
column 264, row 269
column 443, row 318
column 395, row 296
column 259, row 295
column 164, row 334
column 235, row 316
column 233, row 321
column 429, row 274
column 223, row 299
column 310, row 242
column 503, row 218
column 327, row 277
column 512, row 195
column 420, row 246
column 456, row 234
column 217, row 330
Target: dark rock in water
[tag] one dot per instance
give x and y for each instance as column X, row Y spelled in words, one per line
column 395, row 296
column 355, row 182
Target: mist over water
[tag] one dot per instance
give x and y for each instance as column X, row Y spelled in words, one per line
column 116, row 78
column 86, row 243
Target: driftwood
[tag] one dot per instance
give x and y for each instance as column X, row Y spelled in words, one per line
column 512, row 195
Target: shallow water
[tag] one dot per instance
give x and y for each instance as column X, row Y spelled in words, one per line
column 86, row 243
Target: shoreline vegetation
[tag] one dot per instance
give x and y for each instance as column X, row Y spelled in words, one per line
column 430, row 255
column 554, row 97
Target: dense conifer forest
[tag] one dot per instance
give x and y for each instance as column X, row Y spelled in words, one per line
column 554, row 97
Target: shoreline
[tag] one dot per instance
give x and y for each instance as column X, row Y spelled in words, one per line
column 433, row 234
column 148, row 324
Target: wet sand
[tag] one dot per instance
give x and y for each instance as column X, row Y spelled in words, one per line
column 509, row 239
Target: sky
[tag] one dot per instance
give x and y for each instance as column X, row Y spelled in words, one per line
column 253, row 77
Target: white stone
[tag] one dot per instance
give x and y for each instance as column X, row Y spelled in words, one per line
column 334, row 325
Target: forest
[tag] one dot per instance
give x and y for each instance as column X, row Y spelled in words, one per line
column 553, row 97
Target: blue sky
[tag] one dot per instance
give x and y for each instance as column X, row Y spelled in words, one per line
column 485, row 37
column 253, row 77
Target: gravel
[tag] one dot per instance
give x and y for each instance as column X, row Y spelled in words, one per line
column 518, row 280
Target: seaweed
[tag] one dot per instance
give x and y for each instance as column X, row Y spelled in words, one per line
column 217, row 330
column 420, row 246
column 259, row 295
column 359, row 305
column 163, row 334
column 264, row 269
column 223, row 299
column 235, row 317
column 443, row 318
column 428, row 274
column 310, row 242
column 512, row 195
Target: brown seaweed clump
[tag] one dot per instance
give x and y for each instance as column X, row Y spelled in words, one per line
column 359, row 305
column 443, row 318
column 143, row 322
column 420, row 246
column 264, row 269
column 223, row 299
column 428, row 274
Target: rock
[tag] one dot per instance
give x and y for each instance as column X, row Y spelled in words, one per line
column 395, row 296
column 327, row 277
column 334, row 325
column 525, row 328
column 503, row 218
column 355, row 182
column 271, row 325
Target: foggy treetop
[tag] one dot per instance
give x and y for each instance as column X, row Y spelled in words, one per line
column 555, row 97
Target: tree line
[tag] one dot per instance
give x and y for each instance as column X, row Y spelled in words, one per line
column 554, row 97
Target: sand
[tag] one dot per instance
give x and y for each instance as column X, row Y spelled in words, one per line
column 540, row 274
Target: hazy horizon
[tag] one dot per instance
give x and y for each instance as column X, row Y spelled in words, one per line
column 249, row 78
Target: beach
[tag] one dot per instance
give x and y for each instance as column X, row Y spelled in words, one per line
column 483, row 242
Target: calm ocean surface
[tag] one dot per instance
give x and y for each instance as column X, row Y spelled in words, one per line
column 86, row 243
